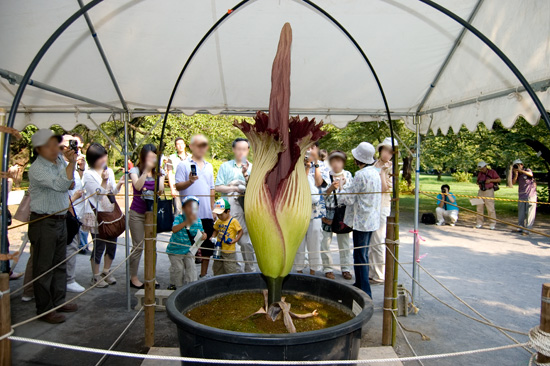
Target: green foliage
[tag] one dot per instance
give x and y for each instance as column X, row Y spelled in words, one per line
column 462, row 177
column 356, row 132
column 405, row 188
column 543, row 195
column 498, row 147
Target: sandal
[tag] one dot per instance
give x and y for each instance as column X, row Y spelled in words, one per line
column 347, row 275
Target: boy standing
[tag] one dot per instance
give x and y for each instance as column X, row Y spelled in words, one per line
column 227, row 232
column 185, row 229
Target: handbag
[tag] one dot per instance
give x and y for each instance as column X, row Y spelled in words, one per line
column 110, row 224
column 73, row 224
column 165, row 215
column 338, row 225
column 23, row 212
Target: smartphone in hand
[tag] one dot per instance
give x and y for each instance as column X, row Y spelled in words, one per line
column 193, row 169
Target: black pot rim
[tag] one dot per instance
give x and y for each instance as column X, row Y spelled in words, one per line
column 269, row 339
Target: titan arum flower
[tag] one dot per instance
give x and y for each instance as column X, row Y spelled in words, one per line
column 278, row 195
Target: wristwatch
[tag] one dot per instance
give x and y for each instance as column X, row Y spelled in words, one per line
column 316, row 165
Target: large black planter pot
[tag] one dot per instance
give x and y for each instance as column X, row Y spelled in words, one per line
column 340, row 342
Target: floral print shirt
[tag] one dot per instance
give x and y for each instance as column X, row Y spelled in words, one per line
column 319, row 210
column 363, row 210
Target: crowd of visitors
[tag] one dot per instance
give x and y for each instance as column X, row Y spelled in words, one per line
column 204, row 229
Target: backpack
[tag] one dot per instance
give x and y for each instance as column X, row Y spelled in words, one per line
column 428, row 219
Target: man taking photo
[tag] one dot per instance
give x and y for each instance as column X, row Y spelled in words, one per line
column 195, row 177
column 446, row 210
column 171, row 167
column 487, row 180
column 527, row 195
column 231, row 182
column 49, row 182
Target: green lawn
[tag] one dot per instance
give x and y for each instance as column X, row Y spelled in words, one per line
column 429, row 183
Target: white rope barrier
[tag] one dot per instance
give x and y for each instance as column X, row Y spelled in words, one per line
column 256, row 362
column 122, row 334
column 453, row 308
column 72, row 299
column 469, row 306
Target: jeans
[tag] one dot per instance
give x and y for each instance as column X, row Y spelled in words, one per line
column 83, row 239
column 361, row 241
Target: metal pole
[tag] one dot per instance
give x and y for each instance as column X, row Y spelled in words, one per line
column 4, row 246
column 149, row 264
column 416, row 210
column 126, row 211
column 14, row 78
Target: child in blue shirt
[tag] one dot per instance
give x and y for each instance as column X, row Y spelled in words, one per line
column 184, row 230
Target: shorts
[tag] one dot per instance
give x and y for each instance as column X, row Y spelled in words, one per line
column 105, row 245
column 207, row 246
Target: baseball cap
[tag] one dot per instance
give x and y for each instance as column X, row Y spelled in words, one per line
column 481, row 164
column 189, row 198
column 517, row 161
column 220, row 206
column 42, row 136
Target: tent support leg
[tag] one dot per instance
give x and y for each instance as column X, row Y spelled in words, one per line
column 416, row 211
column 126, row 211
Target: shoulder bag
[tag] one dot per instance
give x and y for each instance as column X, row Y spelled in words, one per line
column 338, row 225
column 73, row 224
column 110, row 224
column 23, row 212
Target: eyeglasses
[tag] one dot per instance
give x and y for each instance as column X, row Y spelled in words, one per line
column 202, row 145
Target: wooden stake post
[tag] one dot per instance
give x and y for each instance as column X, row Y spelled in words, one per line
column 149, row 300
column 387, row 319
column 544, row 318
column 5, row 320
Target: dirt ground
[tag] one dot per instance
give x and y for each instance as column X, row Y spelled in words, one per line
column 497, row 272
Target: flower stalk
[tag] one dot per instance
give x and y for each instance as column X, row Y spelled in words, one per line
column 278, row 196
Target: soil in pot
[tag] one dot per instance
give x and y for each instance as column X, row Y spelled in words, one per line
column 231, row 312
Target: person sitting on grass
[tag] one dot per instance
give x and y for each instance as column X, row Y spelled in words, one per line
column 446, row 211
column 184, row 230
column 227, row 232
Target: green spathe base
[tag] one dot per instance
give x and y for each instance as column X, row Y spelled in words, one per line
column 274, row 289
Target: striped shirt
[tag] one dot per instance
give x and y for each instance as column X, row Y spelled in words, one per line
column 49, row 186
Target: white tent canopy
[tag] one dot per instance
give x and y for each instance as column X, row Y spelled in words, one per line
column 147, row 42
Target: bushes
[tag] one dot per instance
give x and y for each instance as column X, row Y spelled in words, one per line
column 462, row 177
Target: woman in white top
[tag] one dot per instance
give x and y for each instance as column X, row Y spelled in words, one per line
column 99, row 178
column 377, row 250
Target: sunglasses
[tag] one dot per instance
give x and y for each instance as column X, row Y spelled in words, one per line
column 202, row 145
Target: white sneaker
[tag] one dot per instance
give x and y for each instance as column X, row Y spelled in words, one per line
column 440, row 223
column 75, row 287
column 27, row 298
column 208, row 275
column 479, row 226
column 109, row 278
column 453, row 224
column 492, row 227
column 98, row 279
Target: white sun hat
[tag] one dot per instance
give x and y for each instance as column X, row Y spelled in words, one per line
column 364, row 152
column 481, row 164
column 517, row 161
column 387, row 142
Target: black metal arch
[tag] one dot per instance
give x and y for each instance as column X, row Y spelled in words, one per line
column 34, row 63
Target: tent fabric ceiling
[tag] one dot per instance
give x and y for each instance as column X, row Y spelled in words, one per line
column 147, row 42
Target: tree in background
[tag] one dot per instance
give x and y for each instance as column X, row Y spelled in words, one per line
column 498, row 147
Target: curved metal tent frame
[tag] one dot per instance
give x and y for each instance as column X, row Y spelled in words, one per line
column 83, row 11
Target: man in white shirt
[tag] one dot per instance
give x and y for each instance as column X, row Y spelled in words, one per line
column 171, row 167
column 231, row 182
column 75, row 193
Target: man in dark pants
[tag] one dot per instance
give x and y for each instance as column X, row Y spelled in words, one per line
column 49, row 182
